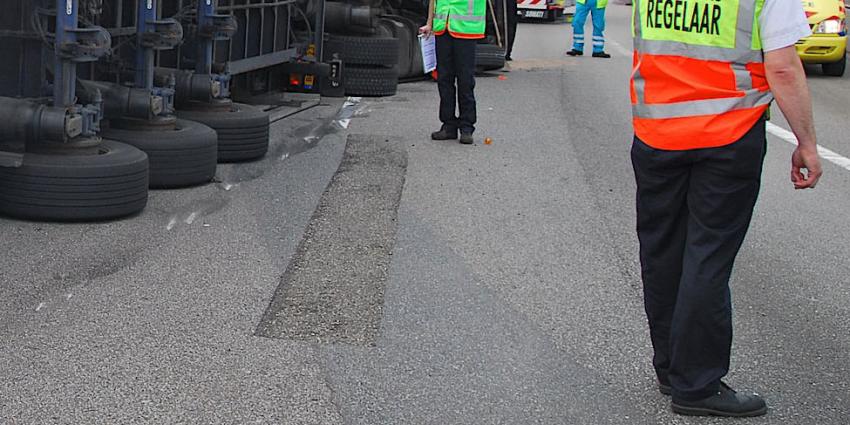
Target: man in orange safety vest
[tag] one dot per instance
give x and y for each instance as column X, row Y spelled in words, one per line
column 705, row 73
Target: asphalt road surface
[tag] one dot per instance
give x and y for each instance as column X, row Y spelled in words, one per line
column 363, row 274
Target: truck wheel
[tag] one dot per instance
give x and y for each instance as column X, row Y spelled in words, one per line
column 835, row 69
column 405, row 45
column 489, row 57
column 243, row 131
column 381, row 50
column 179, row 157
column 370, row 81
column 75, row 187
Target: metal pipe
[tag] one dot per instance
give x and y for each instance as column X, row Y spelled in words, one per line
column 144, row 55
column 203, row 63
column 319, row 35
column 65, row 73
column 255, row 5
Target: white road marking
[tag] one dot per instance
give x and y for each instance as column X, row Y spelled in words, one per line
column 191, row 218
column 620, row 49
column 171, row 223
column 40, row 306
column 824, row 153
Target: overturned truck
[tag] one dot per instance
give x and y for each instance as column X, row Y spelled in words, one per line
column 104, row 99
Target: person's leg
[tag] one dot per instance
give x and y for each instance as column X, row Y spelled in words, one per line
column 723, row 189
column 579, row 19
column 662, row 179
column 598, row 19
column 446, row 76
column 512, row 24
column 464, row 59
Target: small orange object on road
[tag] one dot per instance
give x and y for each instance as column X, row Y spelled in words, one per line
column 488, row 141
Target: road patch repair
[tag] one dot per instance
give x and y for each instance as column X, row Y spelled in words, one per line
column 333, row 288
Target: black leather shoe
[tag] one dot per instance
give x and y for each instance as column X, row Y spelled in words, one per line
column 601, row 55
column 575, row 52
column 466, row 138
column 727, row 402
column 444, row 134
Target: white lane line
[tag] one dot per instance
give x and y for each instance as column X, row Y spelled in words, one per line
column 619, row 48
column 824, row 153
column 191, row 218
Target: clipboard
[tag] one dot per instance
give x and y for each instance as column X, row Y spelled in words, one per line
column 428, row 48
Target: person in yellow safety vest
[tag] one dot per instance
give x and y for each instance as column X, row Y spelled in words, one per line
column 596, row 8
column 705, row 73
column 458, row 25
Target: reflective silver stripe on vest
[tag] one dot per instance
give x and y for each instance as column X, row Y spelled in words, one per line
column 441, row 16
column 739, row 56
column 470, row 7
column 467, row 18
column 744, row 26
column 640, row 86
column 752, row 99
column 743, row 78
column 674, row 48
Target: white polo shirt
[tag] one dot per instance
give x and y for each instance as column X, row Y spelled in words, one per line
column 782, row 23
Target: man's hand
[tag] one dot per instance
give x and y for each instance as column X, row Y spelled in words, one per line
column 426, row 30
column 788, row 84
column 805, row 159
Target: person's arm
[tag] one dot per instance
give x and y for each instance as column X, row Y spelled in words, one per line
column 787, row 81
column 428, row 29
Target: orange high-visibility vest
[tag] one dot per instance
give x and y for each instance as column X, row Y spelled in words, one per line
column 698, row 79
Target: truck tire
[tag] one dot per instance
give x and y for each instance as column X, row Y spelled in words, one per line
column 179, row 157
column 243, row 131
column 77, row 187
column 489, row 57
column 370, row 81
column 379, row 50
column 835, row 69
column 405, row 44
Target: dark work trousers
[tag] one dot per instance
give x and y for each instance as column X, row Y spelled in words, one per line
column 693, row 210
column 512, row 18
column 456, row 82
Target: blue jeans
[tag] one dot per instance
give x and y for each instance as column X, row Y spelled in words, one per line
column 598, row 18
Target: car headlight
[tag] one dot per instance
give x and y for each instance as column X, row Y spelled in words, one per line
column 830, row 26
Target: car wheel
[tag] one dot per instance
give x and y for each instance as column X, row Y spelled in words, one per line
column 185, row 155
column 243, row 130
column 835, row 69
column 73, row 186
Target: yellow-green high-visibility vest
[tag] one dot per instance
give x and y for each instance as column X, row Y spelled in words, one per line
column 461, row 18
column 699, row 79
column 600, row 4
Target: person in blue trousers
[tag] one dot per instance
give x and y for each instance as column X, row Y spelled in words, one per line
column 596, row 8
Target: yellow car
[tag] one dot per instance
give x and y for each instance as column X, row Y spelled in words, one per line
column 828, row 43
